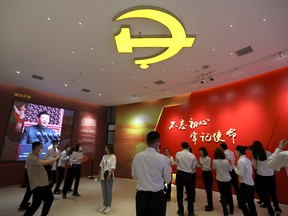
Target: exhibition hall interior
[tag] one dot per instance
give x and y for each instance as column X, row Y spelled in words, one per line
column 106, row 73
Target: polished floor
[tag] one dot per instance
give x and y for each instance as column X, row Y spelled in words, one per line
column 123, row 203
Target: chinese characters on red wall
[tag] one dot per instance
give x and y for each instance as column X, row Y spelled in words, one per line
column 204, row 137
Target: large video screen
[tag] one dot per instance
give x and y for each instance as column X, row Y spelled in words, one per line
column 30, row 122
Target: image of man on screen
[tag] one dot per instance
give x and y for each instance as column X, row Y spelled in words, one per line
column 40, row 132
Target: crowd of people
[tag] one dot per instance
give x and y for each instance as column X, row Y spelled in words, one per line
column 153, row 172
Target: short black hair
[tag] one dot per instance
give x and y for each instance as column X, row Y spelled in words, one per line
column 185, row 145
column 77, row 147
column 223, row 146
column 152, row 137
column 241, row 149
column 35, row 144
column 110, row 148
column 43, row 113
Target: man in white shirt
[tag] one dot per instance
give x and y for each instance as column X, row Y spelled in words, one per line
column 231, row 158
column 186, row 175
column 279, row 158
column 151, row 170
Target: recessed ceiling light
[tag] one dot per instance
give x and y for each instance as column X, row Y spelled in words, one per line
column 48, row 18
column 18, row 72
column 92, row 48
column 188, row 64
column 73, row 52
column 66, row 85
column 80, row 23
column 231, row 53
column 102, row 69
column 134, row 78
column 264, row 19
column 231, row 26
column 163, row 70
column 113, row 62
column 100, row 94
column 213, row 50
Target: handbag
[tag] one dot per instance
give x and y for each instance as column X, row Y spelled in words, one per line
column 108, row 175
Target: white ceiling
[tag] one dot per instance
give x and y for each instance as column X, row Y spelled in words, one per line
column 32, row 44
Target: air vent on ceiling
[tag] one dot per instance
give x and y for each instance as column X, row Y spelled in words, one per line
column 85, row 90
column 159, row 82
column 205, row 66
column 37, row 77
column 244, row 51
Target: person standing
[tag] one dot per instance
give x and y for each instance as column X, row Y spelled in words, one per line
column 52, row 169
column 186, row 175
column 75, row 160
column 38, row 180
column 28, row 193
column 64, row 157
column 106, row 175
column 223, row 177
column 207, row 176
column 229, row 155
column 171, row 162
column 279, row 158
column 151, row 171
column 244, row 171
column 267, row 178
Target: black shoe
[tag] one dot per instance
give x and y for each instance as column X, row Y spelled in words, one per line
column 260, row 202
column 70, row 190
column 64, row 196
column 208, row 208
column 22, row 208
column 231, row 211
column 57, row 192
column 76, row 194
column 180, row 213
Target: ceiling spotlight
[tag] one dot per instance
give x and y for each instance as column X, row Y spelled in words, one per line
column 211, row 78
column 202, row 81
column 235, row 70
column 280, row 54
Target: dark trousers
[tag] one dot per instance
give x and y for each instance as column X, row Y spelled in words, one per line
column 61, row 171
column 235, row 185
column 73, row 172
column 268, row 188
column 41, row 194
column 208, row 182
column 257, row 183
column 168, row 190
column 186, row 180
column 150, row 203
column 247, row 197
column 28, row 192
column 226, row 196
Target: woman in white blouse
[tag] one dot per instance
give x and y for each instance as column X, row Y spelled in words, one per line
column 223, row 167
column 266, row 176
column 207, row 176
column 106, row 175
column 171, row 163
column 244, row 171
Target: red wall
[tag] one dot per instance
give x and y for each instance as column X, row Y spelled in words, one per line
column 11, row 173
column 257, row 108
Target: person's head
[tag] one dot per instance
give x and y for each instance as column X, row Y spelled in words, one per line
column 166, row 151
column 203, row 151
column 55, row 143
column 109, row 149
column 219, row 154
column 258, row 151
column 67, row 148
column 185, row 145
column 250, row 149
column 223, row 146
column 43, row 119
column 37, row 147
column 78, row 147
column 153, row 139
column 240, row 150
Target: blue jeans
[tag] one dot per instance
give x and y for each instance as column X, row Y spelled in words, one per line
column 107, row 191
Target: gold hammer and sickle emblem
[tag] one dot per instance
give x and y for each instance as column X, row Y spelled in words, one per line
column 173, row 44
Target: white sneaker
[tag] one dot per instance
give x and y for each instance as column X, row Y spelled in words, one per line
column 107, row 209
column 102, row 209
